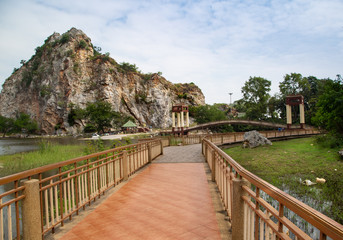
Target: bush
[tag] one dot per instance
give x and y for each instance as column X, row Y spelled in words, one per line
column 82, row 44
column 65, row 38
column 330, row 140
column 127, row 67
column 89, row 128
column 27, row 78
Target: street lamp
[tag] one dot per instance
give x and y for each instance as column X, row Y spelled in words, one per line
column 230, row 97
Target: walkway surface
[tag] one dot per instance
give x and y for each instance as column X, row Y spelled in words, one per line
column 169, row 199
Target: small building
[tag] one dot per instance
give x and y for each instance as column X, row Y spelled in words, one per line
column 129, row 127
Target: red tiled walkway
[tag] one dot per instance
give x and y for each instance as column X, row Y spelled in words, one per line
column 164, row 201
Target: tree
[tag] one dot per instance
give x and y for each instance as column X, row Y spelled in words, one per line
column 294, row 84
column 100, row 115
column 255, row 97
column 329, row 114
column 6, row 125
column 76, row 114
column 24, row 123
column 208, row 113
column 275, row 103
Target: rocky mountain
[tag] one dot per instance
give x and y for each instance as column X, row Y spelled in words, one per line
column 67, row 69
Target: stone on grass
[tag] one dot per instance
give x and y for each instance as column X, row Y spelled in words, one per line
column 340, row 153
column 254, row 139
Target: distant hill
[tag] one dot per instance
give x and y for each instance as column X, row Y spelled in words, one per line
column 68, row 69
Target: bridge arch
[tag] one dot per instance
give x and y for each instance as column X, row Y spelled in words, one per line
column 236, row 122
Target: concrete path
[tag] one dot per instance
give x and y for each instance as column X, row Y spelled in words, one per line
column 169, row 199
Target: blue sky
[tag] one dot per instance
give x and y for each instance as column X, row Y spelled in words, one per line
column 217, row 45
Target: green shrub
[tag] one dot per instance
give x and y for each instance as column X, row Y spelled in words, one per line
column 69, row 53
column 76, row 67
column 82, row 44
column 45, row 91
column 89, row 128
column 329, row 140
column 65, row 38
column 94, row 146
column 44, row 146
column 27, row 78
column 147, row 76
column 127, row 67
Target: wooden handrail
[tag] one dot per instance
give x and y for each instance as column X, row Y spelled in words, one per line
column 317, row 219
column 31, row 172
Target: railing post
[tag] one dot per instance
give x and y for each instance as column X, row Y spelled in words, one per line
column 161, row 143
column 213, row 174
column 32, row 225
column 237, row 223
column 149, row 153
column 125, row 166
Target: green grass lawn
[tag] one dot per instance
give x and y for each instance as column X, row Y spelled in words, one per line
column 286, row 163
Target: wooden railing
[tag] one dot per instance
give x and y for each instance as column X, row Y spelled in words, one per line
column 67, row 187
column 257, row 209
column 233, row 137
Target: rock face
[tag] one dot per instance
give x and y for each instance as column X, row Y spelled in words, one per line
column 67, row 70
column 255, row 139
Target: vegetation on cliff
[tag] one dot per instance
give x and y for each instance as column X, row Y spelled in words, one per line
column 98, row 116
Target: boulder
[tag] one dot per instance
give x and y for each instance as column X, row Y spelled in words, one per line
column 255, row 139
column 340, row 153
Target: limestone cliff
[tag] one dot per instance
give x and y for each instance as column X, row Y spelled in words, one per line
column 68, row 69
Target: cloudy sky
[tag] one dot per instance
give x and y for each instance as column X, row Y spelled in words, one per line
column 216, row 44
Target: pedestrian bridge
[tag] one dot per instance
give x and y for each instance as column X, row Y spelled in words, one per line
column 152, row 190
column 266, row 124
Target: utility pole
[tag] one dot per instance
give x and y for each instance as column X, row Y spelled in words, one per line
column 230, row 97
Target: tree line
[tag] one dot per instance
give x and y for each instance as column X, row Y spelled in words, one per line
column 323, row 100
column 96, row 117
column 22, row 123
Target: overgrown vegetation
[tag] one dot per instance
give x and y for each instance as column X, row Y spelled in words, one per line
column 21, row 124
column 48, row 153
column 286, row 164
column 98, row 115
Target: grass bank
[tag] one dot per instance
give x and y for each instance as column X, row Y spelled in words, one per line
column 48, row 153
column 286, row 164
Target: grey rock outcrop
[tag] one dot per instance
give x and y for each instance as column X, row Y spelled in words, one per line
column 254, row 139
column 67, row 70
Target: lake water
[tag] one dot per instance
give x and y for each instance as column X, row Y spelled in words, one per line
column 12, row 145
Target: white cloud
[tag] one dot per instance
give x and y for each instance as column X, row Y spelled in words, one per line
column 215, row 44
